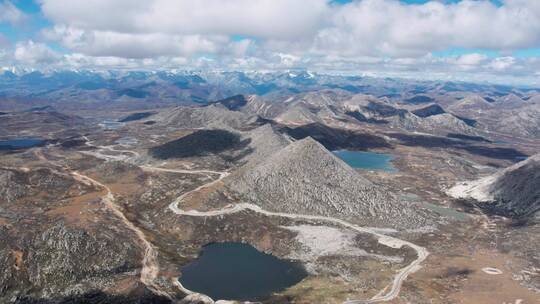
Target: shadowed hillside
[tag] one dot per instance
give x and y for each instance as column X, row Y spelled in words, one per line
column 136, row 116
column 335, row 139
column 199, row 143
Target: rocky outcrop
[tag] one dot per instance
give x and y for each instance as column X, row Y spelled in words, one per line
column 62, row 257
column 61, row 261
column 53, row 248
column 15, row 184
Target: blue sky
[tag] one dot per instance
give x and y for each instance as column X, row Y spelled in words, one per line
column 36, row 21
column 390, row 37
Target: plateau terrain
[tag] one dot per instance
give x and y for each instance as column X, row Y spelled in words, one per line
column 233, row 187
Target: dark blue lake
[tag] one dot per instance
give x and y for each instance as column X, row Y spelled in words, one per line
column 21, row 143
column 237, row 271
column 367, row 160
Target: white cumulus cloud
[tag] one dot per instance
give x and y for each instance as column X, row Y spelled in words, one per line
column 375, row 36
column 360, row 28
column 9, row 13
column 34, row 53
column 282, row 19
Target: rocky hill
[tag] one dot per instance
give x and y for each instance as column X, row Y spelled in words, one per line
column 198, row 143
column 431, row 110
column 472, row 102
column 136, row 116
column 298, row 115
column 36, row 122
column 523, row 120
column 51, row 246
column 512, row 192
column 212, row 116
column 336, row 138
column 329, row 107
column 506, row 115
column 305, row 178
column 233, row 103
column 264, row 142
column 440, row 124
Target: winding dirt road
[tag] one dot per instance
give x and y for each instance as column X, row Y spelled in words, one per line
column 383, row 239
column 150, row 264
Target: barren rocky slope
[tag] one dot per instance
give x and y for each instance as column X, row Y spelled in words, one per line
column 513, row 192
column 440, row 124
column 338, row 107
column 264, row 142
column 212, row 116
column 508, row 115
column 56, row 242
column 306, row 178
column 31, row 122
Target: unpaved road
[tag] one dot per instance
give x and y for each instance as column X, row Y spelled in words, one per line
column 422, row 253
column 151, row 267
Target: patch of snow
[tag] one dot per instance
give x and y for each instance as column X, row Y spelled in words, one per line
column 478, row 190
column 318, row 241
column 289, row 100
column 383, row 230
column 391, row 242
column 491, row 270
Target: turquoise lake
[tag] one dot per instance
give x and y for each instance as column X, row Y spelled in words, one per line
column 238, row 271
column 367, row 160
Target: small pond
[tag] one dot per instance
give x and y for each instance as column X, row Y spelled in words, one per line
column 448, row 212
column 238, row 271
column 441, row 210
